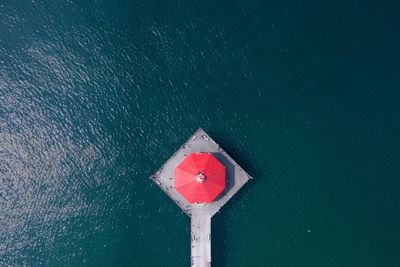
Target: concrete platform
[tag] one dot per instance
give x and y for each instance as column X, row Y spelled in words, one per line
column 200, row 213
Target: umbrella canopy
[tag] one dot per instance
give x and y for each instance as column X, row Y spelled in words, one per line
column 200, row 177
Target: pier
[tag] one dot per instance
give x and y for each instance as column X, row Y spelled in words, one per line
column 200, row 212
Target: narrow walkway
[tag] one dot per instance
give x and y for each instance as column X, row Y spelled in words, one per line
column 200, row 239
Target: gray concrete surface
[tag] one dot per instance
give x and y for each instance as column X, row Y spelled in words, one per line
column 200, row 214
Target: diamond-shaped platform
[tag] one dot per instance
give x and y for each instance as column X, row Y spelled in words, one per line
column 200, row 142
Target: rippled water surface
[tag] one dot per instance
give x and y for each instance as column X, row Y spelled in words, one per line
column 96, row 95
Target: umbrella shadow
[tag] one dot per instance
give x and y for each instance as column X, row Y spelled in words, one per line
column 230, row 171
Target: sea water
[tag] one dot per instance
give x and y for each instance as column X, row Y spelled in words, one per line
column 96, row 95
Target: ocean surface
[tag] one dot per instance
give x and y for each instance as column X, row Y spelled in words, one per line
column 96, row 95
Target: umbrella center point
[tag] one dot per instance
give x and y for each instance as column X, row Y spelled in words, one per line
column 200, row 178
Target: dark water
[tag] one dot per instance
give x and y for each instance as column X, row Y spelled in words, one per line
column 96, row 95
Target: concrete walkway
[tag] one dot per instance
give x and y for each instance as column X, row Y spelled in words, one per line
column 200, row 239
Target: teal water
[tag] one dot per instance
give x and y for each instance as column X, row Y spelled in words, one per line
column 96, row 95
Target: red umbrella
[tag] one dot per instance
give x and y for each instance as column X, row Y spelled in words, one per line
column 200, row 177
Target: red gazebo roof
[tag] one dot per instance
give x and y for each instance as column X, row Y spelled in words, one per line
column 200, row 177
